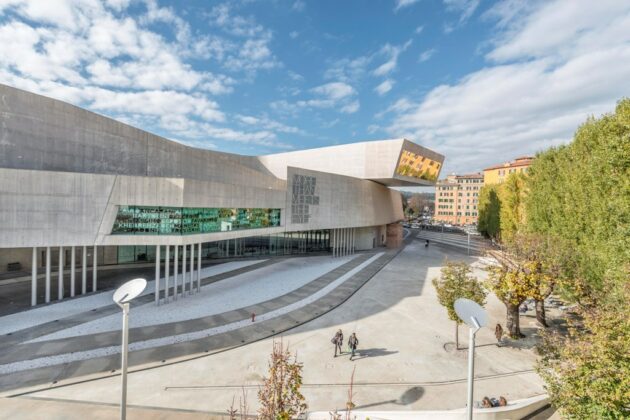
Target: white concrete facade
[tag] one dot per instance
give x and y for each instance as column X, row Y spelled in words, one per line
column 65, row 172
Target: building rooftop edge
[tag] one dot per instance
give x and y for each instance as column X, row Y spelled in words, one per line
column 520, row 161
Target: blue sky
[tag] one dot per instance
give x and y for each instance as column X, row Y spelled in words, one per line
column 479, row 81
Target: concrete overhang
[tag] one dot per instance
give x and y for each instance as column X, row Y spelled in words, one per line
column 394, row 163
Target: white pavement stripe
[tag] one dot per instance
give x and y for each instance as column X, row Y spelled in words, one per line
column 66, row 308
column 180, row 338
column 236, row 292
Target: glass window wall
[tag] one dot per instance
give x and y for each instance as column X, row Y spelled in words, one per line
column 144, row 220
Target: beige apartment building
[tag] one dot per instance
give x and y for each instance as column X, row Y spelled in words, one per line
column 456, row 199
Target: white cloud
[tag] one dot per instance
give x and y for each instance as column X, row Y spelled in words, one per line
column 403, row 3
column 373, row 128
column 334, row 90
column 249, row 50
column 550, row 68
column 465, row 8
column 268, row 124
column 338, row 95
column 294, row 34
column 426, row 55
column 384, row 87
column 97, row 55
column 419, row 29
column 348, row 70
column 351, row 107
column 392, row 52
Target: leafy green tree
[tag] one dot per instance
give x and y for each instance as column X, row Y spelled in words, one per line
column 587, row 373
column 489, row 210
column 280, row 396
column 512, row 197
column 457, row 282
column 580, row 194
column 512, row 281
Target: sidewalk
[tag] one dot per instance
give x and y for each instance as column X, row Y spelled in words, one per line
column 39, row 408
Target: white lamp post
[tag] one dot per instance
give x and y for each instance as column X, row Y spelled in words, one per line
column 122, row 296
column 475, row 317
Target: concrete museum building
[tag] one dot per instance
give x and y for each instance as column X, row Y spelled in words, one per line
column 80, row 191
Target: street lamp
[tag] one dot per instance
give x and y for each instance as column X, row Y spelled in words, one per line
column 122, row 296
column 475, row 317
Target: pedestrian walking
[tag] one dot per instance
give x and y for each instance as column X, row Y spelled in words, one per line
column 353, row 342
column 426, row 244
column 498, row 333
column 337, row 340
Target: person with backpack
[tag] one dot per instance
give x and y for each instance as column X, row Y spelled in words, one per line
column 353, row 343
column 337, row 340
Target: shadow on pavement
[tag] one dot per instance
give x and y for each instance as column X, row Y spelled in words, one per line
column 410, row 396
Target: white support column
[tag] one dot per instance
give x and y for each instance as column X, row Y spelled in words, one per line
column 333, row 234
column 60, row 278
column 47, row 299
column 175, row 273
column 191, row 278
column 157, row 274
column 84, row 271
column 347, row 241
column 198, row 267
column 183, row 270
column 34, row 277
column 94, row 268
column 350, row 241
column 343, row 242
column 353, row 233
column 167, row 273
column 73, row 262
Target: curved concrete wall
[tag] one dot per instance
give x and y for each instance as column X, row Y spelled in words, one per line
column 45, row 134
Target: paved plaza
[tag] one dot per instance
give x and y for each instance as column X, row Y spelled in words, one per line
column 404, row 361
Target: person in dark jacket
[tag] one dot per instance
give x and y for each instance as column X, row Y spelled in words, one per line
column 337, row 340
column 353, row 343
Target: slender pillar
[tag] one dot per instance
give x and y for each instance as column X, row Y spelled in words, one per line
column 333, row 243
column 343, row 241
column 60, row 281
column 167, row 272
column 183, row 270
column 175, row 274
column 198, row 267
column 353, row 245
column 34, row 277
column 84, row 272
column 73, row 262
column 191, row 278
column 47, row 299
column 123, row 361
column 157, row 274
column 348, row 241
column 94, row 268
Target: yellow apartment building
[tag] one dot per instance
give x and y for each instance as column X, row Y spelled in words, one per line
column 498, row 173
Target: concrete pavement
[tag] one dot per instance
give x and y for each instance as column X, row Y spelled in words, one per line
column 402, row 361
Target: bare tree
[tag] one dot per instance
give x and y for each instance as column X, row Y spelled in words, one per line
column 280, row 397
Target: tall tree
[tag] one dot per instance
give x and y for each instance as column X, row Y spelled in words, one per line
column 581, row 193
column 489, row 219
column 512, row 197
column 457, row 282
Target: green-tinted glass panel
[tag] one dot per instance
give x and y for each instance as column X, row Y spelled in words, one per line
column 144, row 220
